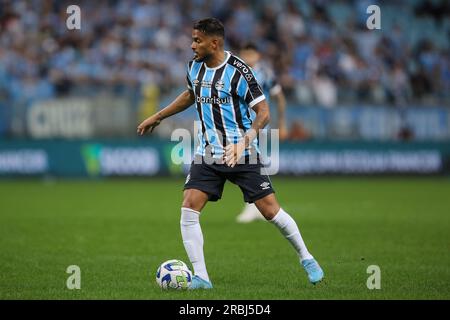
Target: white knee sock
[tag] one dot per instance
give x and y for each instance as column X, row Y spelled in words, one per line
column 289, row 229
column 193, row 240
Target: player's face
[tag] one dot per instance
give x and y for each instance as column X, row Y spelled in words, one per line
column 250, row 56
column 202, row 45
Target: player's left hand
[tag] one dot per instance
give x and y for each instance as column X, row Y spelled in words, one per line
column 283, row 133
column 233, row 153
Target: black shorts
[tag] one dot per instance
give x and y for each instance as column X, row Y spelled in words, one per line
column 210, row 178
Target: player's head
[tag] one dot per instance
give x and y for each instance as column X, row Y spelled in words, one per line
column 207, row 38
column 250, row 54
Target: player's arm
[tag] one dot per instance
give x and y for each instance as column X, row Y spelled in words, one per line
column 233, row 152
column 182, row 102
column 280, row 101
column 261, row 120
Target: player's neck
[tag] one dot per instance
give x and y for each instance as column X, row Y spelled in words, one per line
column 216, row 60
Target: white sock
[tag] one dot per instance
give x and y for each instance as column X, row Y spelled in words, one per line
column 193, row 241
column 289, row 229
column 250, row 206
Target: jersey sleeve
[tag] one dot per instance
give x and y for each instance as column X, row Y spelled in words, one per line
column 249, row 89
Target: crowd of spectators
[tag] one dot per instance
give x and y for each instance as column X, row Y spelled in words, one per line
column 320, row 55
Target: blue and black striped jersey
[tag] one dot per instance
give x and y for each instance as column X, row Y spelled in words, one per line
column 223, row 98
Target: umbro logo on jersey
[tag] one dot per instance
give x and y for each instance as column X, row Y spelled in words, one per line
column 265, row 185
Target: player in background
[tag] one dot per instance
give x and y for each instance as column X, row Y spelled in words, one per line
column 223, row 89
column 272, row 89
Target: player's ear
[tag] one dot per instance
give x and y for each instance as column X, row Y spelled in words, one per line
column 215, row 43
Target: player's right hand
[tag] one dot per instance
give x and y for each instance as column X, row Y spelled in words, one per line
column 148, row 124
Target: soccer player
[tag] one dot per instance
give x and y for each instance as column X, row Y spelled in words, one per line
column 223, row 89
column 271, row 88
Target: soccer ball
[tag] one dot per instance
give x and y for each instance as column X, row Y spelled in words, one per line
column 174, row 274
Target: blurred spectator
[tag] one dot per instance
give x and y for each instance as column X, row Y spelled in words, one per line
column 298, row 132
column 320, row 56
column 405, row 134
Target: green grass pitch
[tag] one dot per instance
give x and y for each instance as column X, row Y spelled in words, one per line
column 119, row 231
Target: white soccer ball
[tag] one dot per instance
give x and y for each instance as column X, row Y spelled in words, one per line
column 174, row 274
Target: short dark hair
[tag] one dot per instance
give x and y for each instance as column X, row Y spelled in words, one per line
column 250, row 46
column 210, row 27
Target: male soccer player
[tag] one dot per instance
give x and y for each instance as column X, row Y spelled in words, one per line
column 271, row 88
column 223, row 89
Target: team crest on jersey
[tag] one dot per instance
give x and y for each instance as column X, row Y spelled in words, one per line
column 195, row 82
column 219, row 85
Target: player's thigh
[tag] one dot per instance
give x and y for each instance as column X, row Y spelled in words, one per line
column 194, row 199
column 207, row 179
column 253, row 181
column 268, row 206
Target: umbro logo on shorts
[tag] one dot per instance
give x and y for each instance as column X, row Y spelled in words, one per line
column 265, row 185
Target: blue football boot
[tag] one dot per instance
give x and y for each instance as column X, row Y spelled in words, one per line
column 199, row 283
column 314, row 271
